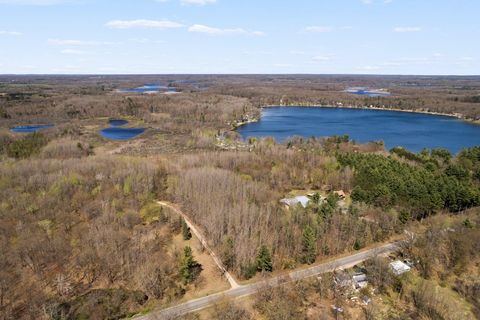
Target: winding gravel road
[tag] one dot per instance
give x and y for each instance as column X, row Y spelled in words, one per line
column 203, row 241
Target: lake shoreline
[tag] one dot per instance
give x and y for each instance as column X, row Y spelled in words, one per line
column 433, row 113
column 410, row 131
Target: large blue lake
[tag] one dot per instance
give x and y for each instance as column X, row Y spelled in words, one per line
column 409, row 130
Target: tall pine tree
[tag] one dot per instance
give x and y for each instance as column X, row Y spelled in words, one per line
column 264, row 259
column 309, row 246
column 228, row 253
column 189, row 268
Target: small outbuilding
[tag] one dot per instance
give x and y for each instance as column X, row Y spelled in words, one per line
column 360, row 280
column 398, row 267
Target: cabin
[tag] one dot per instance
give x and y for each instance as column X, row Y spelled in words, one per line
column 360, row 280
column 292, row 202
column 398, row 267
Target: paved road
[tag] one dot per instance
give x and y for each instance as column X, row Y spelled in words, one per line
column 245, row 290
column 202, row 239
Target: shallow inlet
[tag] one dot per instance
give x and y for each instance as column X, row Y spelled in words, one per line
column 31, row 128
column 412, row 131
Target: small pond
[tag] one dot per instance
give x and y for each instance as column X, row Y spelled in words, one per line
column 368, row 92
column 116, row 133
column 31, row 128
column 150, row 88
column 117, row 122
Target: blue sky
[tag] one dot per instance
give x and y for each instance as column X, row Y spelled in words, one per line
column 241, row 36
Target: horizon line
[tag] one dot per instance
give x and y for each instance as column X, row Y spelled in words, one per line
column 241, row 74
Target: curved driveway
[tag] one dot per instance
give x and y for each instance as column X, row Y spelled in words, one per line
column 202, row 239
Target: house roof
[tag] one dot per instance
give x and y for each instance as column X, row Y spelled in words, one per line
column 398, row 267
column 359, row 277
column 294, row 201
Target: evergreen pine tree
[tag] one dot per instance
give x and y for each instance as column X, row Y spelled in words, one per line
column 228, row 253
column 404, row 216
column 187, row 235
column 264, row 259
column 309, row 246
column 189, row 268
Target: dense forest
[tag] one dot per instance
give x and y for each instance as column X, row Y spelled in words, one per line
column 433, row 182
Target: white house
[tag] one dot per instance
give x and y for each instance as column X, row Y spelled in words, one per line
column 291, row 202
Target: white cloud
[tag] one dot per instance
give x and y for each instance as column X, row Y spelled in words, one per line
column 368, row 2
column 321, row 58
column 35, row 2
column 145, row 40
column 73, row 52
column 198, row 2
column 407, row 29
column 60, row 42
column 256, row 52
column 192, row 2
column 258, row 33
column 318, row 29
column 297, row 52
column 141, row 23
column 10, row 33
column 199, row 28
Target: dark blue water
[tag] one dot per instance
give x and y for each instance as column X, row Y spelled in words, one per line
column 367, row 92
column 31, row 129
column 117, row 122
column 116, row 133
column 371, row 94
column 410, row 130
column 150, row 87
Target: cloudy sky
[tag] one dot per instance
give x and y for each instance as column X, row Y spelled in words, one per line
column 240, row 36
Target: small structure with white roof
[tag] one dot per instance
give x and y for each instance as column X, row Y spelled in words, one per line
column 291, row 202
column 360, row 280
column 398, row 267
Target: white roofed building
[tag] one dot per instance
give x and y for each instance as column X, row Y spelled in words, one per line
column 291, row 202
column 398, row 267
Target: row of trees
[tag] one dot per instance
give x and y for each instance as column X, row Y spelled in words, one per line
column 421, row 188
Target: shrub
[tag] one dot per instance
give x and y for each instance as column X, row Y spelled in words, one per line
column 151, row 213
column 26, row 147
